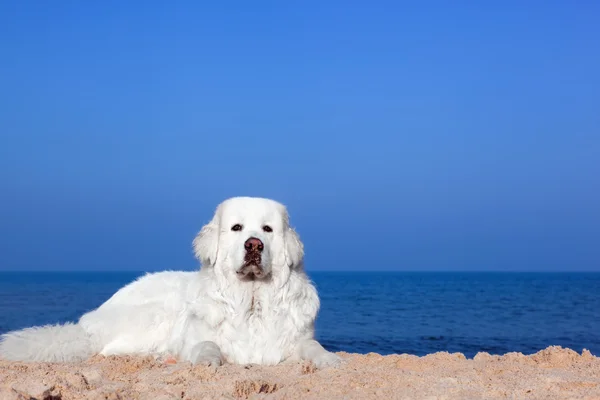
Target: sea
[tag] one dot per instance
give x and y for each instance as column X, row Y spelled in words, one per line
column 384, row 312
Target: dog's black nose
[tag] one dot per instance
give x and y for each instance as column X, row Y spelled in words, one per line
column 254, row 244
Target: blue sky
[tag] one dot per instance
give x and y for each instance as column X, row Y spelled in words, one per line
column 429, row 136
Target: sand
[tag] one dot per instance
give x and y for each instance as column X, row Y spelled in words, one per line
column 553, row 373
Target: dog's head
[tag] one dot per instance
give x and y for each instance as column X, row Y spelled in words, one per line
column 251, row 238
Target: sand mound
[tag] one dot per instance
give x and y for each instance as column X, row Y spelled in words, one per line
column 551, row 373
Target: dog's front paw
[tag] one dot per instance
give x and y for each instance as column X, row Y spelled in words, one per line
column 209, row 360
column 328, row 359
column 206, row 353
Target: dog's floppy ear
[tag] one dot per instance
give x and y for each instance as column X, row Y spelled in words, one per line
column 294, row 249
column 206, row 243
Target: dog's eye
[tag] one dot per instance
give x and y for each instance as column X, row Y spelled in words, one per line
column 267, row 228
column 236, row 227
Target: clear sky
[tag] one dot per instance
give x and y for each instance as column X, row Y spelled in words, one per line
column 426, row 136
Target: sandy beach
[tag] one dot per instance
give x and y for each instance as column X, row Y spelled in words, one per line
column 551, row 373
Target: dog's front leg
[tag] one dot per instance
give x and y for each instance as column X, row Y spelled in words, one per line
column 206, row 353
column 313, row 351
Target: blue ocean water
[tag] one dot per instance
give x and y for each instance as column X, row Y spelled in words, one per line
column 395, row 312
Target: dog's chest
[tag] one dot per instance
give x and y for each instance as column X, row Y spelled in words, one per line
column 255, row 307
column 257, row 330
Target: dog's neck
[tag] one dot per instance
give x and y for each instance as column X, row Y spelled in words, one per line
column 251, row 296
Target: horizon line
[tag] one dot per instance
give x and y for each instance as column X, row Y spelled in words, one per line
column 308, row 271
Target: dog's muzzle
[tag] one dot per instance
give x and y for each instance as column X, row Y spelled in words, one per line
column 252, row 259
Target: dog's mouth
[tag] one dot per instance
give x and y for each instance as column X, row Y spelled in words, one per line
column 252, row 267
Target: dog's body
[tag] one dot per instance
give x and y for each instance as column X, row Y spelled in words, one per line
column 251, row 302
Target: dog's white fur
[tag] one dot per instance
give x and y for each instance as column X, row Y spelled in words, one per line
column 209, row 316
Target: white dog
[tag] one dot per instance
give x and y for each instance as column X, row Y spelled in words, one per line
column 251, row 302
